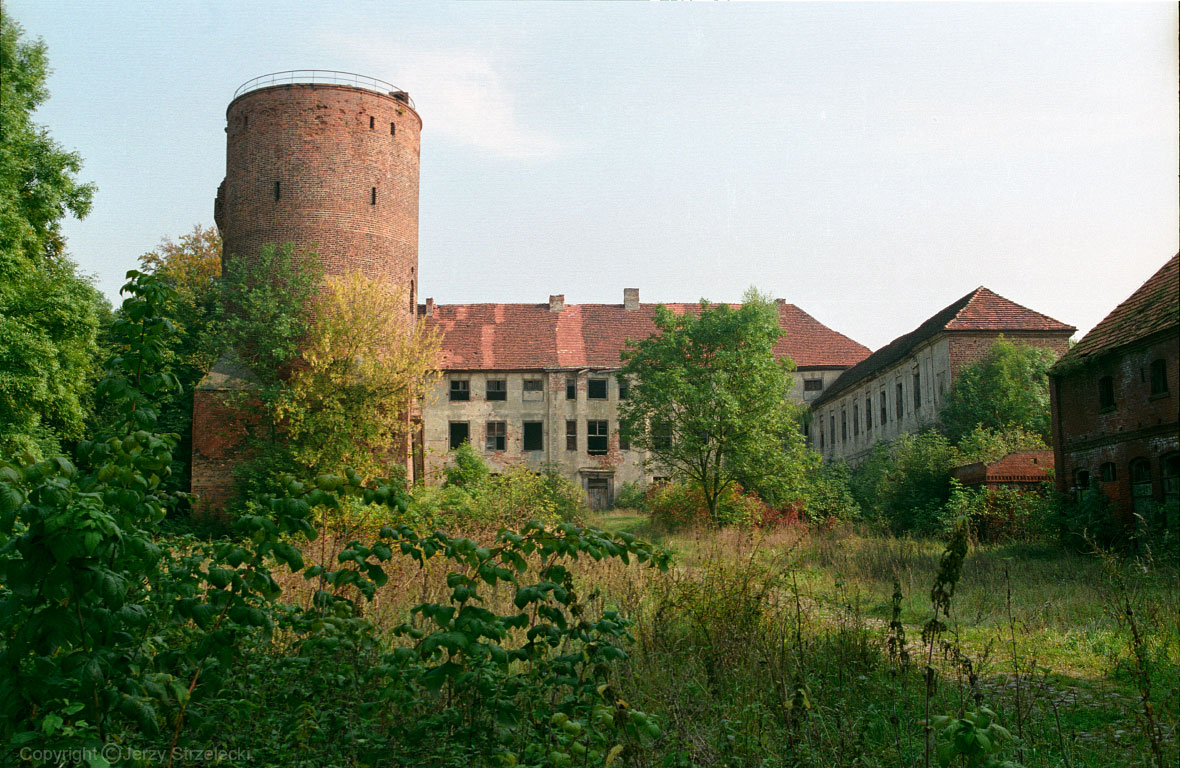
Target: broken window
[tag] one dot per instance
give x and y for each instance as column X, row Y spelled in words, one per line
column 571, row 435
column 597, row 437
column 596, row 389
column 899, row 401
column 843, row 425
column 884, row 409
column 624, row 439
column 917, row 390
column 534, row 389
column 460, row 433
column 869, row 413
column 571, row 387
column 460, row 389
column 624, row 388
column 497, row 389
column 1106, row 472
column 497, row 436
column 534, row 439
column 813, row 385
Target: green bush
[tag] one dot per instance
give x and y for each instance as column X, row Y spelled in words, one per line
column 631, row 495
column 904, row 484
column 678, row 505
column 829, row 496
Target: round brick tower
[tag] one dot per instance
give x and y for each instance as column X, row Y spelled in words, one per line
column 329, row 162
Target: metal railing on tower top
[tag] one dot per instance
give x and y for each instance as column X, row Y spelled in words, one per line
column 327, row 77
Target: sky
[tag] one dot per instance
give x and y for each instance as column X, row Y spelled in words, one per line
column 870, row 163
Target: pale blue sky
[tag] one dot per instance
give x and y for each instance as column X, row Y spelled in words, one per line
column 869, row 163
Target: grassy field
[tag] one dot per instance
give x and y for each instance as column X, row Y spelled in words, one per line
column 773, row 649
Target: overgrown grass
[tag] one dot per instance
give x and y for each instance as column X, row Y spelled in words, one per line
column 727, row 640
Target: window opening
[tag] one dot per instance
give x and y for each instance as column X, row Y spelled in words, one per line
column 460, row 389
column 596, row 437
column 624, row 389
column 497, row 389
column 900, row 400
column 1159, row 377
column 596, row 389
column 813, row 385
column 884, row 409
column 392, row 130
column 661, row 435
column 855, row 420
column 533, row 389
column 277, row 195
column 1106, row 392
column 1106, row 472
column 534, row 436
column 372, row 122
column 844, row 425
column 624, row 440
column 373, row 196
column 460, row 433
column 497, row 436
column 869, row 413
column 571, row 435
column 571, row 387
column 917, row 390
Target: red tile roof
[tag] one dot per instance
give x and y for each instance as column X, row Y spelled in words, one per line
column 531, row 337
column 980, row 310
column 1154, row 307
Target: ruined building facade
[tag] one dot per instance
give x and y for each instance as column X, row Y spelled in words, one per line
column 536, row 384
column 901, row 387
column 1115, row 404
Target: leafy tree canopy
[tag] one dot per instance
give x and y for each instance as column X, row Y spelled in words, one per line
column 49, row 315
column 363, row 366
column 1009, row 386
column 708, row 400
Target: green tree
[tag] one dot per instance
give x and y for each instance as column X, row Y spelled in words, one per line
column 1009, row 386
column 49, row 315
column 708, row 400
column 362, row 367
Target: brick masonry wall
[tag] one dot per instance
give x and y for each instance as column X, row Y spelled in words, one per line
column 967, row 348
column 219, row 433
column 317, row 143
column 1140, row 425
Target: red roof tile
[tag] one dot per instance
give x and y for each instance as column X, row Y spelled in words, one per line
column 980, row 310
column 530, row 336
column 1154, row 307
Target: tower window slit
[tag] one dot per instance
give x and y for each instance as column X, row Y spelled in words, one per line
column 277, row 195
column 392, row 130
column 372, row 122
column 373, row 196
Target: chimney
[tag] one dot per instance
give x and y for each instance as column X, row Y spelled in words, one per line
column 630, row 298
column 780, row 302
column 430, row 307
column 557, row 303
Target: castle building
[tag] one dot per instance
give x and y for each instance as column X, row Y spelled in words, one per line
column 1114, row 401
column 901, row 387
column 537, row 385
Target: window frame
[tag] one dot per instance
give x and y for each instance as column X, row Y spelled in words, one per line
column 460, row 387
column 591, row 385
column 571, row 434
column 497, row 394
column 496, row 436
column 597, row 437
